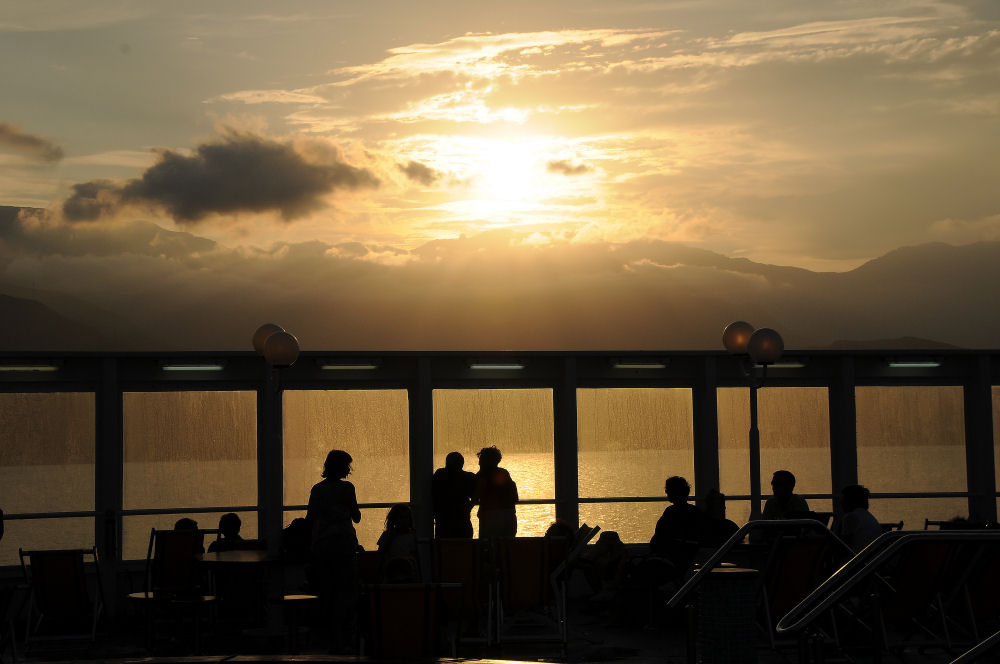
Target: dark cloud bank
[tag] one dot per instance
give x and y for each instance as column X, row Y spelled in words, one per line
column 175, row 290
column 237, row 173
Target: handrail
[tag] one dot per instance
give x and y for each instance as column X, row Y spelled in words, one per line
column 738, row 537
column 975, row 651
column 865, row 564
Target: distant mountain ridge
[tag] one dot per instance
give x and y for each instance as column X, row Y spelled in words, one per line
column 142, row 287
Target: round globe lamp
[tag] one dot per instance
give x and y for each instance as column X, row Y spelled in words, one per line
column 281, row 349
column 261, row 335
column 736, row 336
column 765, row 346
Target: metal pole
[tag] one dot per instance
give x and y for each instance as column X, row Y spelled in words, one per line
column 754, row 453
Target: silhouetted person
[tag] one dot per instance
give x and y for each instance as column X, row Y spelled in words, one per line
column 858, row 527
column 333, row 511
column 785, row 503
column 397, row 546
column 229, row 533
column 679, row 530
column 452, row 488
column 717, row 528
column 295, row 540
column 961, row 523
column 186, row 523
column 496, row 495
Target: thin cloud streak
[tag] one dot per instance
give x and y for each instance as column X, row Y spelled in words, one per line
column 30, row 145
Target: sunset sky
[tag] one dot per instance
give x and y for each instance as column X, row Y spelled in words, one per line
column 818, row 135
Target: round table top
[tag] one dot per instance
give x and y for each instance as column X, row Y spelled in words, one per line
column 236, row 556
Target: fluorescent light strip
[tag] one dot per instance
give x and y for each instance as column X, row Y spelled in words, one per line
column 495, row 366
column 914, row 364
column 367, row 366
column 28, row 367
column 785, row 365
column 192, row 367
column 639, row 365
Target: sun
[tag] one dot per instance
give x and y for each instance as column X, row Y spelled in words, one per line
column 504, row 180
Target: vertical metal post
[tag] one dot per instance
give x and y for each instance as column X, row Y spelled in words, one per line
column 843, row 429
column 979, row 440
column 270, row 459
column 421, row 406
column 108, row 467
column 565, row 444
column 754, row 452
column 705, row 406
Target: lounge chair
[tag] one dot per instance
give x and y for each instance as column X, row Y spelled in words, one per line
column 61, row 606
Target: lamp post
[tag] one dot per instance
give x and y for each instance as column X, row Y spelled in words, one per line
column 754, row 347
column 280, row 350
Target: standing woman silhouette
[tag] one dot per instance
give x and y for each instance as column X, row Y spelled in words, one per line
column 496, row 496
column 333, row 511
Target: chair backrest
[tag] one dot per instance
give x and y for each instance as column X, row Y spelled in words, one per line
column 896, row 525
column 58, row 583
column 172, row 562
column 460, row 560
column 525, row 567
column 369, row 567
column 402, row 620
column 796, row 567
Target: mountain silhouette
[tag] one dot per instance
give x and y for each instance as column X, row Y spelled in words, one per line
column 137, row 286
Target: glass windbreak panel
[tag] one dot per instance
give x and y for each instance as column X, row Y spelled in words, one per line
column 914, row 511
column 137, row 529
column 911, row 439
column 794, row 424
column 630, row 440
column 633, row 521
column 188, row 449
column 371, row 527
column 520, row 423
column 46, row 462
column 63, row 533
column 371, row 425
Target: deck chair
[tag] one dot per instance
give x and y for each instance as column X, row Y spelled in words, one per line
column 61, row 605
column 402, row 620
column 975, row 606
column 893, row 589
column 525, row 566
column 175, row 585
column 795, row 567
column 470, row 606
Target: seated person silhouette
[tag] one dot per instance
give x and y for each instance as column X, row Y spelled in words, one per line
column 717, row 528
column 785, row 503
column 858, row 527
column 680, row 529
column 451, row 490
column 229, row 534
column 186, row 523
column 397, row 546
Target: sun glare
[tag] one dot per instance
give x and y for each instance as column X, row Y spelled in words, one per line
column 508, row 182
